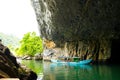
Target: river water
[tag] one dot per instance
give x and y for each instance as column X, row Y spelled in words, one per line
column 53, row 71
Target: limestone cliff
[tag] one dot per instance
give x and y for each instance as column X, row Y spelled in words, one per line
column 83, row 28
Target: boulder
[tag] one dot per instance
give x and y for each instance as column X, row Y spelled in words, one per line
column 9, row 68
column 38, row 56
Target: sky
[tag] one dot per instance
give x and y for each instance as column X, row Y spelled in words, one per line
column 17, row 17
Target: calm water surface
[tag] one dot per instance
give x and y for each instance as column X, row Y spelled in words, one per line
column 53, row 71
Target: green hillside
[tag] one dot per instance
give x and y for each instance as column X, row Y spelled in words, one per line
column 9, row 40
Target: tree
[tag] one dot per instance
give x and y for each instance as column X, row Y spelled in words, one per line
column 30, row 45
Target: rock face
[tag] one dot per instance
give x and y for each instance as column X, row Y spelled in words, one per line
column 83, row 28
column 9, row 68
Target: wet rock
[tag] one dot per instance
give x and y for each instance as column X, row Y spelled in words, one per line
column 9, row 68
column 30, row 76
column 26, row 57
column 38, row 56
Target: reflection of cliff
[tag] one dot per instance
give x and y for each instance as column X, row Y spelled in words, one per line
column 102, row 72
column 87, row 72
column 83, row 28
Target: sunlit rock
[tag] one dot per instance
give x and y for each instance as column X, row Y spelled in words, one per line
column 9, row 68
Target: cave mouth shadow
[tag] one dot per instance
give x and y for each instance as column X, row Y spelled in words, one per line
column 115, row 52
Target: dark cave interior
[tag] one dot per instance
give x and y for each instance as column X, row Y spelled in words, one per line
column 115, row 51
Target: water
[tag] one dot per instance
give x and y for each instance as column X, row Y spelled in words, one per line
column 53, row 71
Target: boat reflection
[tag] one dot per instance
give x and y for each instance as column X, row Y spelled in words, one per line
column 53, row 65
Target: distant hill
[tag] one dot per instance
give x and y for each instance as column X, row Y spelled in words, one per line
column 9, row 40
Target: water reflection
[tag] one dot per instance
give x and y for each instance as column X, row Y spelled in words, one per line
column 82, row 72
column 36, row 66
column 65, row 72
column 53, row 71
column 53, row 65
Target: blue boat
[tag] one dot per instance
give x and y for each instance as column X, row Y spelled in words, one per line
column 82, row 62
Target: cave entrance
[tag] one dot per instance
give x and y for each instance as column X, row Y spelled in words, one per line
column 115, row 51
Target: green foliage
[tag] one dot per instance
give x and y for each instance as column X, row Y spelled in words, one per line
column 30, row 45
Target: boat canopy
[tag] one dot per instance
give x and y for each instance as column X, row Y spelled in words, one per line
column 69, row 58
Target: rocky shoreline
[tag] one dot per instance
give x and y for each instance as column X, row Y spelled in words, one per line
column 9, row 67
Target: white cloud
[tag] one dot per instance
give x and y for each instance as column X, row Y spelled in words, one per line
column 17, row 17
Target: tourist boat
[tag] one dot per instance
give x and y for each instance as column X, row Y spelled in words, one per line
column 82, row 62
